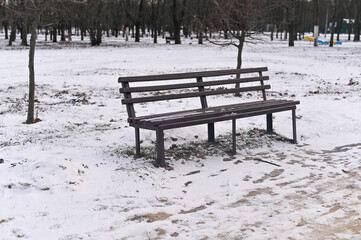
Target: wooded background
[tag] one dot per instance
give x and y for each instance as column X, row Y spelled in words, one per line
column 203, row 19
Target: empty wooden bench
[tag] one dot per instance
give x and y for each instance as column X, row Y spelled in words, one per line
column 169, row 39
column 202, row 85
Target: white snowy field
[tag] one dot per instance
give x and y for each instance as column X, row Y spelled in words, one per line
column 70, row 176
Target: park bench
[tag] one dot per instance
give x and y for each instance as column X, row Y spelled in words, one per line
column 168, row 39
column 202, row 85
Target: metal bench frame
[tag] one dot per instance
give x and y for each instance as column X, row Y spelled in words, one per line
column 205, row 115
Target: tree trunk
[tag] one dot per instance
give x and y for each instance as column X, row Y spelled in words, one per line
column 12, row 34
column 31, row 107
column 46, row 33
column 339, row 27
column 349, row 30
column 332, row 33
column 291, row 38
column 69, row 32
column 186, row 31
column 291, row 25
column 99, row 36
column 24, row 34
column 200, row 36
column 240, row 45
column 240, row 50
column 326, row 22
column 239, row 56
column 143, row 30
column 176, row 22
column 334, row 13
column 54, row 34
column 154, row 20
column 357, row 22
column 62, row 31
column 138, row 21
column 127, row 34
column 280, row 34
column 316, row 22
column 92, row 37
column 6, row 28
column 155, row 37
column 95, row 36
column 137, row 32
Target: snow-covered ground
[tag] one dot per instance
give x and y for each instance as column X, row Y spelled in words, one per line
column 70, row 176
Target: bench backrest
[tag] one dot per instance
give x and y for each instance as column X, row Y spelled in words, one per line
column 201, row 87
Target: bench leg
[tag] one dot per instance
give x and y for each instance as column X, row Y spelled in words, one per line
column 269, row 123
column 237, row 93
column 210, row 132
column 234, row 150
column 294, row 126
column 137, row 142
column 160, row 148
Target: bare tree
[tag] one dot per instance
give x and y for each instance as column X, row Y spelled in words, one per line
column 33, row 10
column 239, row 18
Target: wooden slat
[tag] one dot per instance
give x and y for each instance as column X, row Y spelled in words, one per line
column 219, row 111
column 193, row 94
column 197, row 110
column 209, row 114
column 175, row 76
column 193, row 85
column 225, row 117
column 201, row 111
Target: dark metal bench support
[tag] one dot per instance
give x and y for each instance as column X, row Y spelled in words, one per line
column 204, row 104
column 211, row 132
column 269, row 123
column 294, row 126
column 137, row 142
column 160, row 148
column 234, row 141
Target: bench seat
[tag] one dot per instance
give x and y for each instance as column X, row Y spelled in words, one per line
column 212, row 114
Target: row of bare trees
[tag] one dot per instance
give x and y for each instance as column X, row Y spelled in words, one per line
column 287, row 19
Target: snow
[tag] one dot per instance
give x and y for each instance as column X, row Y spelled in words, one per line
column 69, row 177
